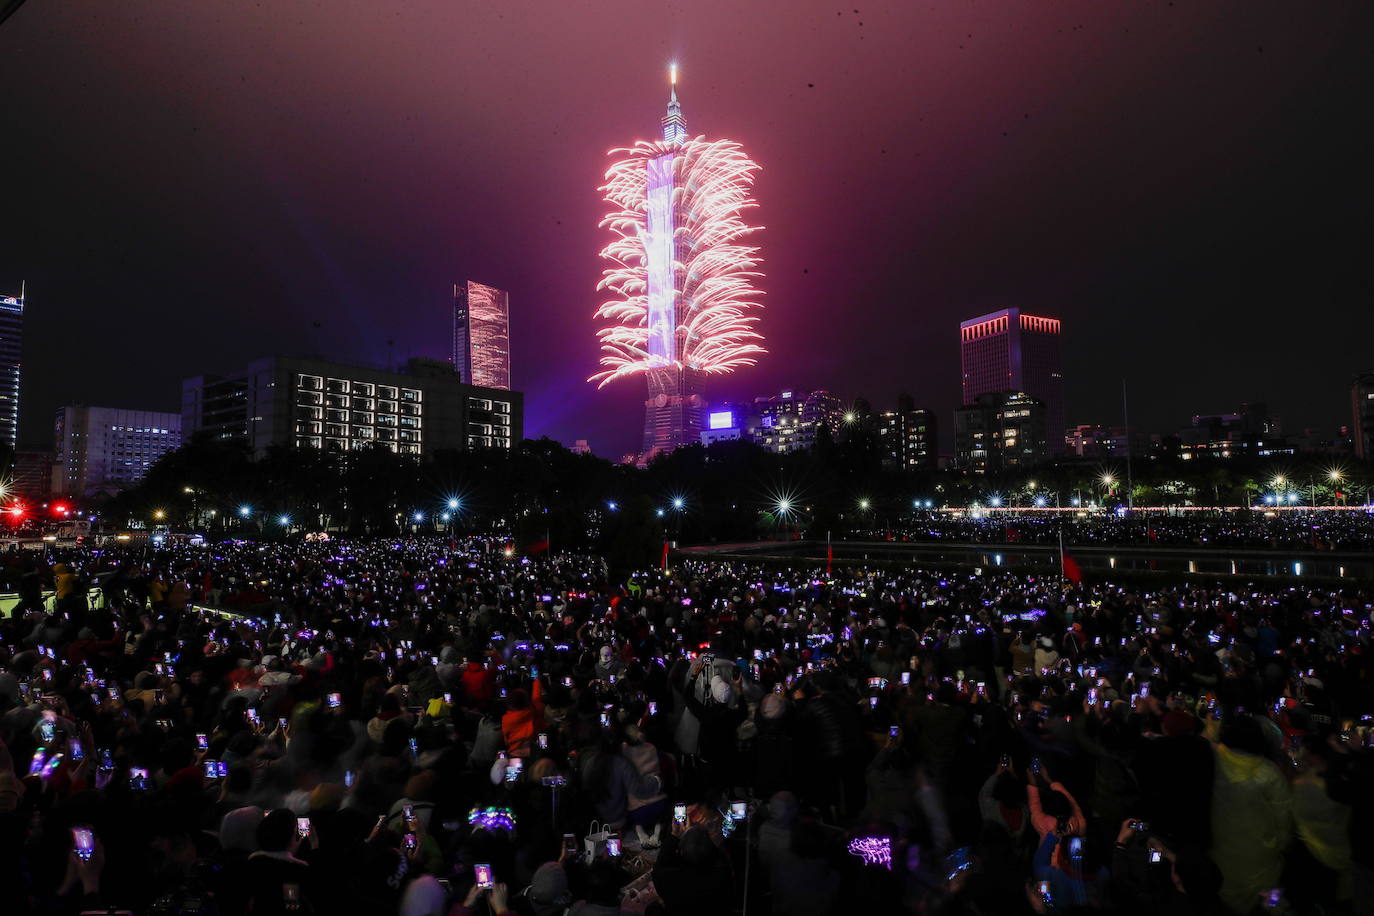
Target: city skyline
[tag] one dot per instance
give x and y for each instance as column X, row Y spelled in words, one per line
column 916, row 176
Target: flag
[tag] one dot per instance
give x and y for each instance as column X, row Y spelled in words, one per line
column 1012, row 534
column 541, row 546
column 1071, row 569
column 829, row 558
column 663, row 563
column 1153, row 537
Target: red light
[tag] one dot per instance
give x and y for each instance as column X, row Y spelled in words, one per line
column 59, row 509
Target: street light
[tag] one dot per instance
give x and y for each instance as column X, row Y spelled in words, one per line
column 677, row 502
column 245, row 511
column 1040, row 502
column 159, row 515
column 285, row 521
column 784, row 506
column 994, row 501
column 863, row 505
column 612, row 505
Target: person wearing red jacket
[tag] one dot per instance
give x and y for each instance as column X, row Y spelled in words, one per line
column 479, row 685
column 524, row 717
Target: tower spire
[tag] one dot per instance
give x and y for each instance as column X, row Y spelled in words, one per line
column 674, row 128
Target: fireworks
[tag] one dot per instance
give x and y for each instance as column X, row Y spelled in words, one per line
column 682, row 276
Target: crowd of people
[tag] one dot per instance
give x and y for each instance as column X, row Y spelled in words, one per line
column 1250, row 530
column 429, row 727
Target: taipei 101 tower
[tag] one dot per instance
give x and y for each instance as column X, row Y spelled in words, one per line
column 681, row 278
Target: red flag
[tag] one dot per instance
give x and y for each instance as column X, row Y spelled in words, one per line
column 829, row 558
column 1071, row 570
column 539, row 546
column 1150, row 533
column 663, row 563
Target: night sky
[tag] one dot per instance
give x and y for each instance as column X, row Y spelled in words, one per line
column 190, row 185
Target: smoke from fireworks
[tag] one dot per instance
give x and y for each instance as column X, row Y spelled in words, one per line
column 713, row 277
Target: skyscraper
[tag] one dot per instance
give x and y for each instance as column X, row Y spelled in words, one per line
column 1362, row 414
column 1009, row 351
column 102, row 450
column 681, row 276
column 481, row 335
column 11, row 362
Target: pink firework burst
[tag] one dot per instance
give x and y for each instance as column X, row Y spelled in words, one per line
column 682, row 279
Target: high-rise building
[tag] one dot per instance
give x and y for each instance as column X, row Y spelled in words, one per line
column 102, row 450
column 681, row 276
column 1009, row 351
column 481, row 335
column 907, row 437
column 999, row 431
column 1250, row 431
column 309, row 403
column 11, row 364
column 1362, row 414
column 32, row 478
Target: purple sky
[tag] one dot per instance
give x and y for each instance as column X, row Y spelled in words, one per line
column 192, row 185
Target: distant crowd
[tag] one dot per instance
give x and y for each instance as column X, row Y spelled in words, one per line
column 428, row 727
column 1332, row 530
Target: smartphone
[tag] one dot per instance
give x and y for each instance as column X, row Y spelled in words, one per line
column 202, row 741
column 83, row 841
column 158, row 696
column 1076, row 846
column 112, row 692
column 680, row 814
column 303, row 826
column 605, row 720
column 570, row 843
column 281, row 723
column 1156, row 857
column 738, row 811
column 894, row 731
column 1092, row 696
column 138, row 778
column 448, row 698
column 222, row 768
column 612, row 845
column 75, row 749
column 1273, row 897
column 543, row 741
column 906, row 677
column 872, row 702
column 211, row 769
column 40, row 757
column 291, row 896
column 653, row 707
column 253, row 716
column 408, row 813
column 483, row 876
column 335, row 700
column 106, row 759
column 514, row 767
column 1144, row 690
column 1045, row 896
column 1140, row 826
column 348, row 779
column 410, row 841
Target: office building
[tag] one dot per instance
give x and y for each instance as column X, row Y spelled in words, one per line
column 11, row 365
column 481, row 335
column 1250, row 431
column 99, row 451
column 907, row 437
column 309, row 403
column 1096, row 441
column 31, row 479
column 1000, row 431
column 788, row 423
column 1362, row 415
column 1009, row 351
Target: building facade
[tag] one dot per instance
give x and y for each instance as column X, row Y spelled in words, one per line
column 481, row 335
column 32, row 477
column 1250, row 431
column 907, row 437
column 99, row 451
column 1362, row 415
column 309, row 403
column 11, row 366
column 1000, row 431
column 1012, row 351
